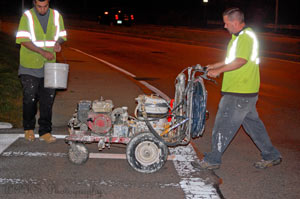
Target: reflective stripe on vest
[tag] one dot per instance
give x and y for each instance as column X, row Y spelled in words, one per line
column 31, row 35
column 232, row 52
column 254, row 54
column 24, row 34
column 56, row 23
column 31, row 25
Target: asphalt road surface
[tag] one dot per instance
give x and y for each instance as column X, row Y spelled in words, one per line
column 158, row 63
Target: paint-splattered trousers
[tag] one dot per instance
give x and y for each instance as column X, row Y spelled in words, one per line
column 233, row 112
column 34, row 93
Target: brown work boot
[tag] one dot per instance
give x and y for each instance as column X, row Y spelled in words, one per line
column 29, row 135
column 48, row 138
column 202, row 165
column 263, row 164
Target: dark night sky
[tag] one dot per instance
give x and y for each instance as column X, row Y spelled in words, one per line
column 170, row 11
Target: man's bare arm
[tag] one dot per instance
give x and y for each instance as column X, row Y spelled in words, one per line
column 34, row 48
column 237, row 63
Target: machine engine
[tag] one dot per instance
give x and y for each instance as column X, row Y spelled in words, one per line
column 99, row 117
column 94, row 116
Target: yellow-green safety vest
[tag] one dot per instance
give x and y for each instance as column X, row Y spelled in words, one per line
column 244, row 80
column 30, row 29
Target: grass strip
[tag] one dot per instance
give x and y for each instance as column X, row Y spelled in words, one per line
column 10, row 86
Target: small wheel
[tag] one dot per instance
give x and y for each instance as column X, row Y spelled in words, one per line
column 145, row 153
column 78, row 153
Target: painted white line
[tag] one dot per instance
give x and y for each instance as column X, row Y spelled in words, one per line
column 193, row 187
column 196, row 188
column 32, row 154
column 116, row 156
column 4, row 181
column 43, row 184
column 155, row 90
column 6, row 140
column 105, row 62
column 149, row 86
column 108, row 156
column 37, row 136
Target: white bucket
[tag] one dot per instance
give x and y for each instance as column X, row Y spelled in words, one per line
column 56, row 75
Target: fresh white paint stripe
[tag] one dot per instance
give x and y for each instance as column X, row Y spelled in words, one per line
column 37, row 136
column 7, row 140
column 196, row 188
column 107, row 156
column 43, row 184
column 149, row 86
column 117, row 156
column 32, row 154
column 155, row 90
column 193, row 187
column 105, row 62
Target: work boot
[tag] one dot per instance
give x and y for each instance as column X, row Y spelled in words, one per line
column 263, row 164
column 48, row 138
column 29, row 135
column 202, row 165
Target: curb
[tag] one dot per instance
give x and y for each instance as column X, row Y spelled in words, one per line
column 5, row 125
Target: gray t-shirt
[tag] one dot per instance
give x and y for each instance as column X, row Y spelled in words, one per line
column 43, row 19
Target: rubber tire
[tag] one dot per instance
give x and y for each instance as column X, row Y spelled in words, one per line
column 78, row 153
column 134, row 162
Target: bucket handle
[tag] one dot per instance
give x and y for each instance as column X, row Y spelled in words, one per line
column 62, row 54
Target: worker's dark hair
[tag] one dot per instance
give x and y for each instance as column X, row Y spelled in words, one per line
column 234, row 14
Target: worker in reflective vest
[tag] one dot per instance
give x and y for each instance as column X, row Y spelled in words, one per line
column 41, row 32
column 239, row 90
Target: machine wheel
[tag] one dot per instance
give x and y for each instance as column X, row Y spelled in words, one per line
column 145, row 153
column 78, row 153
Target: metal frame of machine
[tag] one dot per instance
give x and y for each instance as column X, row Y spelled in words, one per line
column 156, row 125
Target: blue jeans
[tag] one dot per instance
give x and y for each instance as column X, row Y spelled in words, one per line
column 233, row 112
